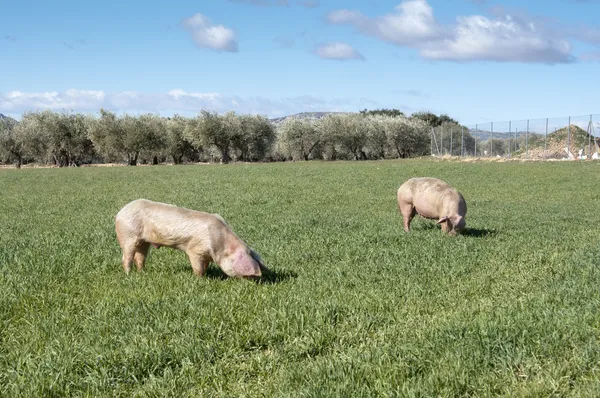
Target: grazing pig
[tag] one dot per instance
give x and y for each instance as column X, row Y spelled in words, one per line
column 204, row 237
column 434, row 199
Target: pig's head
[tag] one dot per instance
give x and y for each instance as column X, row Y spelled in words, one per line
column 241, row 264
column 453, row 224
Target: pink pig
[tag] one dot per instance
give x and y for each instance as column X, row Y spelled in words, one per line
column 434, row 199
column 204, row 237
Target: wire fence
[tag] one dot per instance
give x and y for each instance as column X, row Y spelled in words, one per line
column 572, row 137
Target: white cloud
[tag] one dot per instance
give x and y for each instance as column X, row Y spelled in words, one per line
column 81, row 99
column 208, row 35
column 476, row 37
column 480, row 38
column 412, row 22
column 174, row 101
column 337, row 50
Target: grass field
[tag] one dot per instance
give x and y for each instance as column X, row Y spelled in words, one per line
column 357, row 307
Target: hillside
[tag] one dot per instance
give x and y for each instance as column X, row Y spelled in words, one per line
column 557, row 143
column 304, row 115
column 485, row 135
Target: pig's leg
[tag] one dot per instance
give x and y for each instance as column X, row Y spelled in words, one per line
column 126, row 247
column 128, row 253
column 199, row 263
column 408, row 212
column 446, row 226
column 141, row 252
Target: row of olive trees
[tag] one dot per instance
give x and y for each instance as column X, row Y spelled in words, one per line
column 67, row 139
column 355, row 136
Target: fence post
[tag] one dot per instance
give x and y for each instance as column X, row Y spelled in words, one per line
column 492, row 140
column 435, row 139
column 442, row 140
column 569, row 140
column 526, row 140
column 590, row 128
column 450, row 141
column 462, row 140
column 509, row 133
column 515, row 139
column 431, row 141
column 546, row 139
column 476, row 132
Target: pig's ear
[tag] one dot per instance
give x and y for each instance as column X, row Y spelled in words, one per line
column 443, row 219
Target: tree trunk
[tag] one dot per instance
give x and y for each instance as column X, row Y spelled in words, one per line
column 155, row 160
column 19, row 161
column 225, row 156
column 132, row 160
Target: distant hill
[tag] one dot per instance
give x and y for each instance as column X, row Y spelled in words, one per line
column 485, row 135
column 304, row 115
column 4, row 119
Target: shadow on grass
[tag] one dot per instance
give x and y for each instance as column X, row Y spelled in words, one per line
column 268, row 276
column 470, row 232
column 478, row 232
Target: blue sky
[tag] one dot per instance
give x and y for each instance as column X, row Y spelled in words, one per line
column 476, row 60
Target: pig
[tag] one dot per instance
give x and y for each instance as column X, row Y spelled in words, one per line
column 204, row 237
column 432, row 198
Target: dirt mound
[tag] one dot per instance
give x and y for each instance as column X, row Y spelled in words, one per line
column 558, row 141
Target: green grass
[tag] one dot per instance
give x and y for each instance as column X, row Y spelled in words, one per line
column 357, row 307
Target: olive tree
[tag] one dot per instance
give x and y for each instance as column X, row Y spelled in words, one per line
column 452, row 138
column 349, row 132
column 177, row 146
column 106, row 133
column 67, row 143
column 127, row 137
column 150, row 137
column 408, row 137
column 377, row 144
column 211, row 130
column 299, row 139
column 256, row 138
column 32, row 135
column 11, row 146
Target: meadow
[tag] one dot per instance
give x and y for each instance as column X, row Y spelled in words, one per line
column 356, row 307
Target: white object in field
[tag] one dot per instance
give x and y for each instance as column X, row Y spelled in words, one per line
column 595, row 156
column 569, row 154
